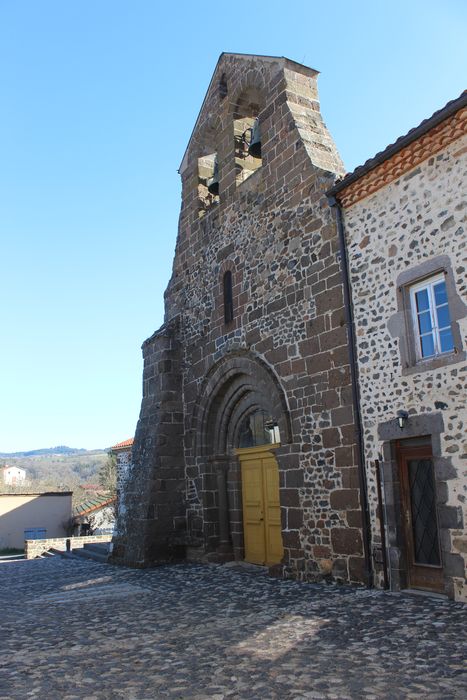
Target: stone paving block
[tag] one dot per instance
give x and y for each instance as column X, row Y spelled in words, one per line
column 80, row 630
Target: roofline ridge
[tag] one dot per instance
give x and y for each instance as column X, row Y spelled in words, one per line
column 239, row 55
column 426, row 125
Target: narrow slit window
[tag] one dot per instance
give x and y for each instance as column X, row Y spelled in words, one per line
column 228, row 297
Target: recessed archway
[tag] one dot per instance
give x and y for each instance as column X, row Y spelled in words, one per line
column 239, row 384
column 238, row 388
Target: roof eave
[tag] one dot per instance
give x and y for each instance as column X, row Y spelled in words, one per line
column 414, row 134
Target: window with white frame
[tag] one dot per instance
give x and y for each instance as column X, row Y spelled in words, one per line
column 431, row 317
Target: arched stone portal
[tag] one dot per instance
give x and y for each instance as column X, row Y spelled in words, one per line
column 238, row 387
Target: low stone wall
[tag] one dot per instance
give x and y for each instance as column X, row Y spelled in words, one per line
column 34, row 548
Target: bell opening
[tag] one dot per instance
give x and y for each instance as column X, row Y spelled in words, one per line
column 208, row 182
column 247, row 137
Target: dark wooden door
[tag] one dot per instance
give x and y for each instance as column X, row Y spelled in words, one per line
column 418, row 497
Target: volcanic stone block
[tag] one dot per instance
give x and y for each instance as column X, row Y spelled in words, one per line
column 346, row 540
column 345, row 499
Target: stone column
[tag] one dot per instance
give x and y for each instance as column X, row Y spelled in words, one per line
column 221, row 466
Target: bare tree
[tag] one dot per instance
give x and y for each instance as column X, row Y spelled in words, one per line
column 108, row 475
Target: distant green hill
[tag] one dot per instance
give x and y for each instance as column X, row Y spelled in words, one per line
column 56, row 469
column 60, row 450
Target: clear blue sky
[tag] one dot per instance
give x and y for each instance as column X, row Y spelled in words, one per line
column 98, row 100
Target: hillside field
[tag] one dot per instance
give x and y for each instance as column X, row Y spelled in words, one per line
column 57, row 471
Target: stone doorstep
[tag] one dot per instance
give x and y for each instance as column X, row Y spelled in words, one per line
column 11, row 557
column 246, row 566
column 81, row 552
column 62, row 553
column 424, row 594
column 99, row 547
column 36, row 548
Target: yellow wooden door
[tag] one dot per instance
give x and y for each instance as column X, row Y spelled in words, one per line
column 253, row 511
column 272, row 508
column 261, row 507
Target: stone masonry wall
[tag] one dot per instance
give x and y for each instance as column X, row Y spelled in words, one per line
column 277, row 236
column 151, row 512
column 123, row 458
column 417, row 223
column 34, row 548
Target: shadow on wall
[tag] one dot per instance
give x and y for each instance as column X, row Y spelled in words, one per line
column 34, row 512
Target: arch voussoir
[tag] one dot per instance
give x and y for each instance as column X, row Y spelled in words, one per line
column 239, row 378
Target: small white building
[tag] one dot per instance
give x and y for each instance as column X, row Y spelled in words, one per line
column 13, row 476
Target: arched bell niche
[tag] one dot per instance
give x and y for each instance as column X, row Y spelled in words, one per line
column 247, row 133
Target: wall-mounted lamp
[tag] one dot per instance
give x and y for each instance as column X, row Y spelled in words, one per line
column 402, row 418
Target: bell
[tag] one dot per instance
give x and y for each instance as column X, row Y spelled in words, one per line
column 254, row 149
column 213, row 182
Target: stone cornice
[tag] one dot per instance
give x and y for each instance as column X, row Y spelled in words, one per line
column 406, row 159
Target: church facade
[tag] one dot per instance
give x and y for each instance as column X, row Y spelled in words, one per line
column 250, row 444
column 246, row 445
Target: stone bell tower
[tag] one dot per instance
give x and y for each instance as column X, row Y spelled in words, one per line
column 246, row 385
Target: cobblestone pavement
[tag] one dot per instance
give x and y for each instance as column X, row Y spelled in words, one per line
column 74, row 630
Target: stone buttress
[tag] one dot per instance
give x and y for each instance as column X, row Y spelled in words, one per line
column 152, row 513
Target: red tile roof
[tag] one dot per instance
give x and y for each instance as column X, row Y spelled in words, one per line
column 121, row 445
column 440, row 115
column 91, row 487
